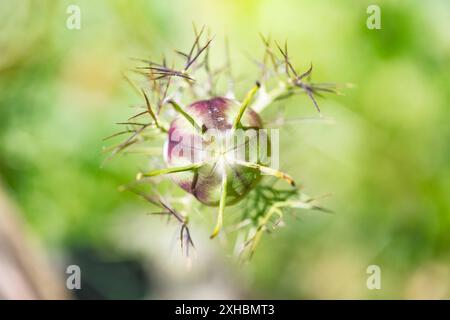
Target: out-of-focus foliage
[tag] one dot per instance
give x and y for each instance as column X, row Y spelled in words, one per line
column 385, row 159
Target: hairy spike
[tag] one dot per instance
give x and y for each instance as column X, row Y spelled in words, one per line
column 157, row 73
column 209, row 73
column 268, row 53
column 162, row 99
column 177, row 216
column 198, row 54
column 185, row 55
column 128, row 142
column 131, row 83
column 311, row 96
column 149, row 107
column 153, row 199
column 117, row 134
column 307, row 73
column 289, row 67
column 137, row 115
column 151, row 113
column 195, row 44
column 228, row 70
column 133, row 124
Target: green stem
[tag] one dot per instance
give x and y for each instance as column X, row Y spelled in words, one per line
column 245, row 103
column 180, row 110
column 222, row 203
column 159, row 172
column 267, row 170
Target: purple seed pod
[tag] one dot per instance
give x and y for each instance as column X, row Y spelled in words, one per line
column 185, row 146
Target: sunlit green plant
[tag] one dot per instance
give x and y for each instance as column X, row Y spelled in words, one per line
column 186, row 100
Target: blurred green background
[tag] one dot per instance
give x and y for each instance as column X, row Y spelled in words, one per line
column 385, row 159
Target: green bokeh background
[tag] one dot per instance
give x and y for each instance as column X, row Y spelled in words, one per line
column 385, row 159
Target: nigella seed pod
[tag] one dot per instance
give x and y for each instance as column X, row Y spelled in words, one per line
column 216, row 147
